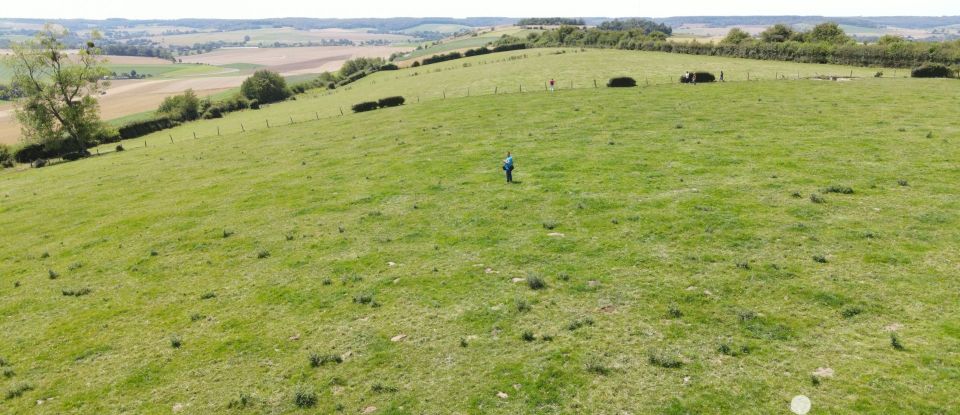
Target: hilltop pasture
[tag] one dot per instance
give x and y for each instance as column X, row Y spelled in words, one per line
column 668, row 249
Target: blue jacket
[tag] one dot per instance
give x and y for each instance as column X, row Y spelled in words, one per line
column 508, row 163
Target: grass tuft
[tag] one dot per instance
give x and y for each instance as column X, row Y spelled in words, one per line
column 523, row 306
column 52, row 274
column 815, row 198
column 317, row 360
column 242, row 401
column 175, row 341
column 820, row 259
column 381, row 388
column 18, row 390
column 844, row 190
column 535, row 282
column 851, row 311
column 304, row 398
column 673, row 311
column 207, row 296
column 597, row 367
column 895, row 342
column 76, row 293
column 664, row 359
column 528, row 336
column 263, row 254
column 579, row 323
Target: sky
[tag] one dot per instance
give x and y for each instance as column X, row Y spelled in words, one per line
column 242, row 9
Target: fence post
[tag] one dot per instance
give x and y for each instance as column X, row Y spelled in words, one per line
column 218, row 131
column 268, row 123
column 317, row 114
column 571, row 84
column 171, row 138
column 494, row 90
column 444, row 93
column 341, row 111
column 748, row 75
column 194, row 135
column 468, row 91
column 594, row 83
column 521, row 87
column 291, row 119
column 242, row 129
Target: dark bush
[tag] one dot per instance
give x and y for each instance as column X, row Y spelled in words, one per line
column 30, row 153
column 76, row 155
column 365, row 106
column 477, row 52
column 931, row 70
column 213, row 112
column 700, row 76
column 389, row 67
column 254, row 104
column 305, row 398
column 141, row 128
column 442, row 58
column 622, row 82
column 415, row 64
column 505, row 48
column 390, row 102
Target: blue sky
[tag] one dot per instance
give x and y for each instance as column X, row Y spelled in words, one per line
column 98, row 9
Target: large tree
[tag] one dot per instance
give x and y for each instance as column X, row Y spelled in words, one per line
column 777, row 33
column 58, row 105
column 265, row 87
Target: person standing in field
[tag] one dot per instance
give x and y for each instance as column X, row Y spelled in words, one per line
column 552, row 83
column 508, row 167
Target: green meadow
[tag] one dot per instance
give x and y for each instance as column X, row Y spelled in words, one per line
column 668, row 249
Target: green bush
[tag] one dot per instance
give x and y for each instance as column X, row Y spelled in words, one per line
column 184, row 107
column 415, row 64
column 931, row 70
column 389, row 67
column 442, row 58
column 390, row 102
column 622, row 82
column 254, row 104
column 6, row 156
column 141, row 128
column 265, row 87
column 213, row 112
column 365, row 106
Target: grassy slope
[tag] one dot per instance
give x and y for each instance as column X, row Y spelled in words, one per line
column 657, row 215
column 484, row 73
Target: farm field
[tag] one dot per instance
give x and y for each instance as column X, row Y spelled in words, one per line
column 271, row 35
column 712, row 249
column 467, row 42
column 207, row 74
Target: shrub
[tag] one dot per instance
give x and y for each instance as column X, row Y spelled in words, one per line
column 365, row 106
column 184, row 107
column 389, row 67
column 535, row 282
column 207, row 296
column 839, row 189
column 317, row 360
column 700, row 76
column 442, row 58
column 30, row 153
column 263, row 254
column 820, row 259
column 815, row 198
column 381, row 388
column 664, row 359
column 363, row 299
column 621, row 82
column 265, row 86
column 390, row 102
column 851, row 311
column 477, row 52
column 19, row 390
column 596, row 366
column 674, row 311
column 141, row 128
column 76, row 155
column 242, row 401
column 175, row 341
column 931, row 70
column 523, row 306
column 576, row 324
column 415, row 64
column 509, row 47
column 8, row 373
column 120, row 148
column 53, row 274
column 76, row 293
column 895, row 342
column 254, row 104
column 304, row 398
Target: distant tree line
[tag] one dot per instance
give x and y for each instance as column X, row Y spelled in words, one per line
column 550, row 21
column 647, row 26
column 134, row 50
column 825, row 43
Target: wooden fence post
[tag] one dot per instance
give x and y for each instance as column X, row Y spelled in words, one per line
column 495, row 90
column 194, row 135
column 268, row 123
column 594, row 83
column 317, row 114
column 291, row 120
column 171, row 138
column 341, row 111
column 218, row 131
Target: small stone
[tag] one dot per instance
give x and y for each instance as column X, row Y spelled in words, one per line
column 177, row 407
column 396, row 281
column 556, row 234
column 823, row 372
column 370, row 409
column 502, row 395
column 609, row 308
column 295, row 337
column 686, row 380
column 391, row 264
column 893, row 327
column 593, row 284
column 398, row 337
column 516, row 280
column 490, row 271
column 516, row 386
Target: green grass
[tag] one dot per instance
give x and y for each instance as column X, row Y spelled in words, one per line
column 242, row 66
column 504, row 73
column 406, row 207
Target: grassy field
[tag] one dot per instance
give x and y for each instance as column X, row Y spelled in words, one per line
column 505, row 73
column 698, row 247
column 468, row 42
column 161, row 71
column 439, row 28
column 271, row 35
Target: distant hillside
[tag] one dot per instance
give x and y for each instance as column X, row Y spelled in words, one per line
column 907, row 22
